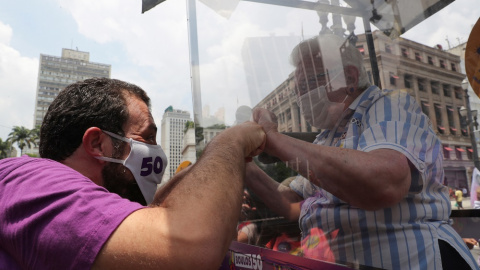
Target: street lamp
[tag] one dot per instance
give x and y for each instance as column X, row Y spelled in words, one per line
column 471, row 120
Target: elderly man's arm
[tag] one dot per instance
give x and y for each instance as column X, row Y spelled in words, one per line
column 358, row 178
column 193, row 218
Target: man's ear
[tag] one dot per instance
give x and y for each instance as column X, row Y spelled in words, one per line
column 95, row 142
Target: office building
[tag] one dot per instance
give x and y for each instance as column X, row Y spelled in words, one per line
column 55, row 73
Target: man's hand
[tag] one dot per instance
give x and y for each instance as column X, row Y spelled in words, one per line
column 266, row 119
column 470, row 242
column 252, row 136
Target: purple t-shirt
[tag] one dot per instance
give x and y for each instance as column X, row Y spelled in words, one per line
column 52, row 217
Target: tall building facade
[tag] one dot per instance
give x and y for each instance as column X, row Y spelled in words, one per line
column 173, row 127
column 55, row 73
column 430, row 74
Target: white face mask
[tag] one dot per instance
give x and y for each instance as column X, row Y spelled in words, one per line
column 147, row 163
column 318, row 110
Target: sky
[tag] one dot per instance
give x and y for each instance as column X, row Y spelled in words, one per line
column 151, row 49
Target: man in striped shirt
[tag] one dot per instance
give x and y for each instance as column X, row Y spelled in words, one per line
column 371, row 183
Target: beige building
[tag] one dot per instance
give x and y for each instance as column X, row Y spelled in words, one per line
column 430, row 74
column 55, row 73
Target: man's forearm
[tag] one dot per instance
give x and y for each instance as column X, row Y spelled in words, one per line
column 209, row 194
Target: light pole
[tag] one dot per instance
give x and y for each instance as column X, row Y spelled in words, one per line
column 470, row 122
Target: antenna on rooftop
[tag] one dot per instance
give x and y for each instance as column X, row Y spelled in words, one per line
column 448, row 42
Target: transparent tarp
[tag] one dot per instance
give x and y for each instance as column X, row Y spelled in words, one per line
column 265, row 54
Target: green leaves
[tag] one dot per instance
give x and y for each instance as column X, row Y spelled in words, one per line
column 24, row 137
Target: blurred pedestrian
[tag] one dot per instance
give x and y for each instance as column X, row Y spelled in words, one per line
column 459, row 198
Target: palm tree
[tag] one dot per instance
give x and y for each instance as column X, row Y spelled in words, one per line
column 5, row 148
column 22, row 137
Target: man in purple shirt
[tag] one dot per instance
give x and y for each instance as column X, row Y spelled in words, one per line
column 56, row 212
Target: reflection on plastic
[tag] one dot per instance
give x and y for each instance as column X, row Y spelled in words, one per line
column 224, row 8
column 304, row 136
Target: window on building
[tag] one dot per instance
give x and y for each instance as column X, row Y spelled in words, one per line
column 453, row 66
column 434, row 87
column 446, row 151
column 451, row 122
column 446, row 90
column 388, row 49
column 442, row 63
column 458, row 92
column 421, row 85
column 430, row 60
column 459, row 152
column 393, row 79
column 469, row 153
column 407, row 80
column 361, row 49
column 418, row 57
column 425, row 107
column 404, row 52
column 438, row 116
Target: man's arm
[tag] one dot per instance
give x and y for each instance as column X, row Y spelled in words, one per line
column 193, row 218
column 356, row 177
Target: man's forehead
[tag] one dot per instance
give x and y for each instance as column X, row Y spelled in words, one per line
column 323, row 54
column 310, row 64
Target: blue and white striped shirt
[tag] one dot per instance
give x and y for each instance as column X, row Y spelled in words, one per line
column 404, row 236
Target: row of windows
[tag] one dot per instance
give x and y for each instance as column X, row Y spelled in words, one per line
column 65, row 75
column 43, row 82
column 281, row 96
column 422, row 86
column 74, row 62
column 438, row 109
column 41, row 87
column 92, row 68
column 418, row 56
column 434, row 86
column 449, row 152
column 45, row 93
column 43, row 103
column 442, row 63
column 55, row 79
column 47, row 99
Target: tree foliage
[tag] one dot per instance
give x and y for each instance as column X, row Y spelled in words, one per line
column 23, row 137
column 5, row 148
column 188, row 125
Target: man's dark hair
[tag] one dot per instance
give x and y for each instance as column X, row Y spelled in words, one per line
column 96, row 102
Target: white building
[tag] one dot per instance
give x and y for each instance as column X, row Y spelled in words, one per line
column 189, row 151
column 173, row 127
